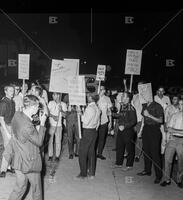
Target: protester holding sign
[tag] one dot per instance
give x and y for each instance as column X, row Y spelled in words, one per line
column 164, row 101
column 90, row 120
column 126, row 134
column 57, row 110
column 105, row 105
column 151, row 134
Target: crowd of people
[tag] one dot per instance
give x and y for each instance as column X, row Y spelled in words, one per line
column 153, row 129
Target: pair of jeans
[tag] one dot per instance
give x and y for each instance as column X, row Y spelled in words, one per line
column 87, row 155
column 6, row 139
column 175, row 145
column 73, row 136
column 57, row 131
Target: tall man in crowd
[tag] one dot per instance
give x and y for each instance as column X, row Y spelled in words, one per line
column 175, row 145
column 164, row 101
column 91, row 120
column 169, row 111
column 138, row 107
column 105, row 105
column 7, row 111
column 24, row 147
column 153, row 114
column 126, row 135
column 57, row 110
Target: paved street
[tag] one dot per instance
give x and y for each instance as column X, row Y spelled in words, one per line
column 109, row 183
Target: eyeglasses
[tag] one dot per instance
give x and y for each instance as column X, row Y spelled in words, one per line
column 17, row 89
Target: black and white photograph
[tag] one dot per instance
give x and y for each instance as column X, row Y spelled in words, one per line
column 91, row 103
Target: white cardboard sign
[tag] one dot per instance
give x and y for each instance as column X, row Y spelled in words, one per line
column 76, row 61
column 76, row 89
column 60, row 71
column 23, row 66
column 101, row 73
column 145, row 93
column 133, row 62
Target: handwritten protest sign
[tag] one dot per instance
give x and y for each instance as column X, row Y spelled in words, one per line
column 76, row 89
column 77, row 63
column 101, row 73
column 145, row 93
column 23, row 66
column 60, row 71
column 133, row 62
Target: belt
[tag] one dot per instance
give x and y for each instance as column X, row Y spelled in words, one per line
column 177, row 136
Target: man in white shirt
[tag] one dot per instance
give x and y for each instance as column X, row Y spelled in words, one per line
column 57, row 110
column 105, row 105
column 164, row 101
column 90, row 123
column 138, row 128
column 175, row 145
column 17, row 98
column 169, row 111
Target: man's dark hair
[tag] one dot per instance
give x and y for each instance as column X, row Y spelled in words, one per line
column 30, row 100
column 129, row 95
column 39, row 90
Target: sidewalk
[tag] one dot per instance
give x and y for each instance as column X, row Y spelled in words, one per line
column 109, row 183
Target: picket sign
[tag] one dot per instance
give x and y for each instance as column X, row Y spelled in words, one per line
column 145, row 93
column 100, row 75
column 77, row 95
column 133, row 64
column 23, row 68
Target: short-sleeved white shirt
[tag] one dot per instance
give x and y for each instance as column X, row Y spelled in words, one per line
column 104, row 104
column 18, row 103
column 164, row 102
column 176, row 122
column 54, row 110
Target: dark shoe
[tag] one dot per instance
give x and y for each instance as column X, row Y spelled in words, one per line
column 137, row 159
column 117, row 166
column 2, row 174
column 50, row 158
column 144, row 173
column 165, row 183
column 71, row 157
column 157, row 180
column 76, row 155
column 11, row 170
column 101, row 157
column 57, row 159
column 180, row 184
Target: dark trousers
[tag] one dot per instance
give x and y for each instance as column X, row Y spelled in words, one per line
column 151, row 140
column 87, row 156
column 102, row 135
column 125, row 140
column 73, row 136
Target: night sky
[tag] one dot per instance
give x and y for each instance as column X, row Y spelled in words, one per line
column 103, row 38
